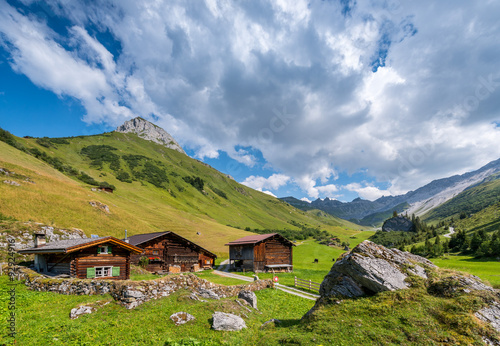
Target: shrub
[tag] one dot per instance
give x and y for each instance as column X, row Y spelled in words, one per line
column 124, row 176
column 143, row 262
column 100, row 154
column 196, row 182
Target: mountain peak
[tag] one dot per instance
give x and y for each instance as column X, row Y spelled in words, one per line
column 151, row 132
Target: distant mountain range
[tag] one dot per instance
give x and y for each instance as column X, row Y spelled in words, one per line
column 418, row 202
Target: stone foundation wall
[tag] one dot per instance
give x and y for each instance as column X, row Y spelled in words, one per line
column 133, row 293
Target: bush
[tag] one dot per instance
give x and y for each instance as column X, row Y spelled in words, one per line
column 143, row 262
column 100, row 154
column 219, row 192
column 196, row 182
column 124, row 176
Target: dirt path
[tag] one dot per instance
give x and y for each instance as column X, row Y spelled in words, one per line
column 289, row 290
column 448, row 235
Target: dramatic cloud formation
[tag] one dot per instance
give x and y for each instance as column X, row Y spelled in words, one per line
column 406, row 91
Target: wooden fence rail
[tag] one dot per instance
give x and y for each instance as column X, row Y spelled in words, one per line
column 310, row 285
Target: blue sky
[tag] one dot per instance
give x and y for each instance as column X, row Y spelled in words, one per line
column 312, row 99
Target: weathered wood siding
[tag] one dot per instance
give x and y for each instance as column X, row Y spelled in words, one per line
column 259, row 254
column 180, row 253
column 89, row 258
column 277, row 252
column 59, row 263
column 206, row 260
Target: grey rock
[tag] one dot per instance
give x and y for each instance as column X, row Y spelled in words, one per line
column 134, row 294
column 205, row 293
column 370, row 268
column 249, row 297
column 150, row 132
column 227, row 322
column 181, row 317
column 491, row 315
column 81, row 310
column 11, row 182
column 274, row 321
column 398, row 223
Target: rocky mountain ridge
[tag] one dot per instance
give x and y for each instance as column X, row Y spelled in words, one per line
column 150, row 132
column 420, row 201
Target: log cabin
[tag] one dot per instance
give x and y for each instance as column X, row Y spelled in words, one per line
column 263, row 252
column 169, row 252
column 87, row 258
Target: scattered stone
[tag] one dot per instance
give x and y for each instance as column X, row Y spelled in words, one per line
column 227, row 322
column 243, row 306
column 81, row 310
column 455, row 285
column 399, row 223
column 181, row 317
column 100, row 206
column 255, row 278
column 11, row 182
column 209, row 294
column 268, row 323
column 249, row 297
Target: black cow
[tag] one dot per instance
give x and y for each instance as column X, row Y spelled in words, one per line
column 315, row 260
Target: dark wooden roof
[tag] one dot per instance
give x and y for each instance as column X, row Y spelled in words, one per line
column 254, row 239
column 142, row 238
column 139, row 239
column 71, row 245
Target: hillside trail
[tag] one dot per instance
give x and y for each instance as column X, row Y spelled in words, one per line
column 448, row 235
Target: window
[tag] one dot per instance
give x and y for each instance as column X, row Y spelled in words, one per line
column 155, row 252
column 101, row 272
column 207, row 261
column 104, row 249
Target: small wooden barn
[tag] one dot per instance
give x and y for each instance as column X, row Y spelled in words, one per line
column 263, row 252
column 88, row 258
column 167, row 251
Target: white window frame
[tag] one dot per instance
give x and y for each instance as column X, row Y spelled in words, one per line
column 105, row 247
column 103, row 271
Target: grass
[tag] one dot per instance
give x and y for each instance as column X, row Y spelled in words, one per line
column 140, row 207
column 487, row 269
column 43, row 319
column 304, row 255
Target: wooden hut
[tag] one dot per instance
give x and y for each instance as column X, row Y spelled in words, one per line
column 264, row 252
column 88, row 258
column 167, row 251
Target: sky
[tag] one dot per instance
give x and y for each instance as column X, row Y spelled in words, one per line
column 311, row 99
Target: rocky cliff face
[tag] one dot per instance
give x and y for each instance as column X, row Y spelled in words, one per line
column 398, row 224
column 150, row 132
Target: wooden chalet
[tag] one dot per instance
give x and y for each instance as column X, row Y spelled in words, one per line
column 263, row 252
column 88, row 258
column 167, row 251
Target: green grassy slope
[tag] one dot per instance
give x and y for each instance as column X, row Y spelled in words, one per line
column 219, row 212
column 470, row 201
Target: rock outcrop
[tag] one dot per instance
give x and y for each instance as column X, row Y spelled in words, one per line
column 249, row 297
column 150, row 132
column 227, row 322
column 370, row 268
column 398, row 223
column 491, row 315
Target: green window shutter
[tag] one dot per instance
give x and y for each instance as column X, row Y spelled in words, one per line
column 91, row 273
column 115, row 271
column 109, row 248
column 98, row 249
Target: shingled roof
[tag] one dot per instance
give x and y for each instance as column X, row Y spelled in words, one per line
column 142, row 238
column 139, row 239
column 254, row 239
column 71, row 245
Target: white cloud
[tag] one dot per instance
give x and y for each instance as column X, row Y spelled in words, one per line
column 274, row 182
column 214, row 74
column 305, row 199
column 269, row 193
column 367, row 191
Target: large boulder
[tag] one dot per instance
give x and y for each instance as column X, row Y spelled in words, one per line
column 370, row 268
column 227, row 322
column 398, row 223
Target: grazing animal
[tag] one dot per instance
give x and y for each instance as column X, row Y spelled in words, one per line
column 315, row 260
